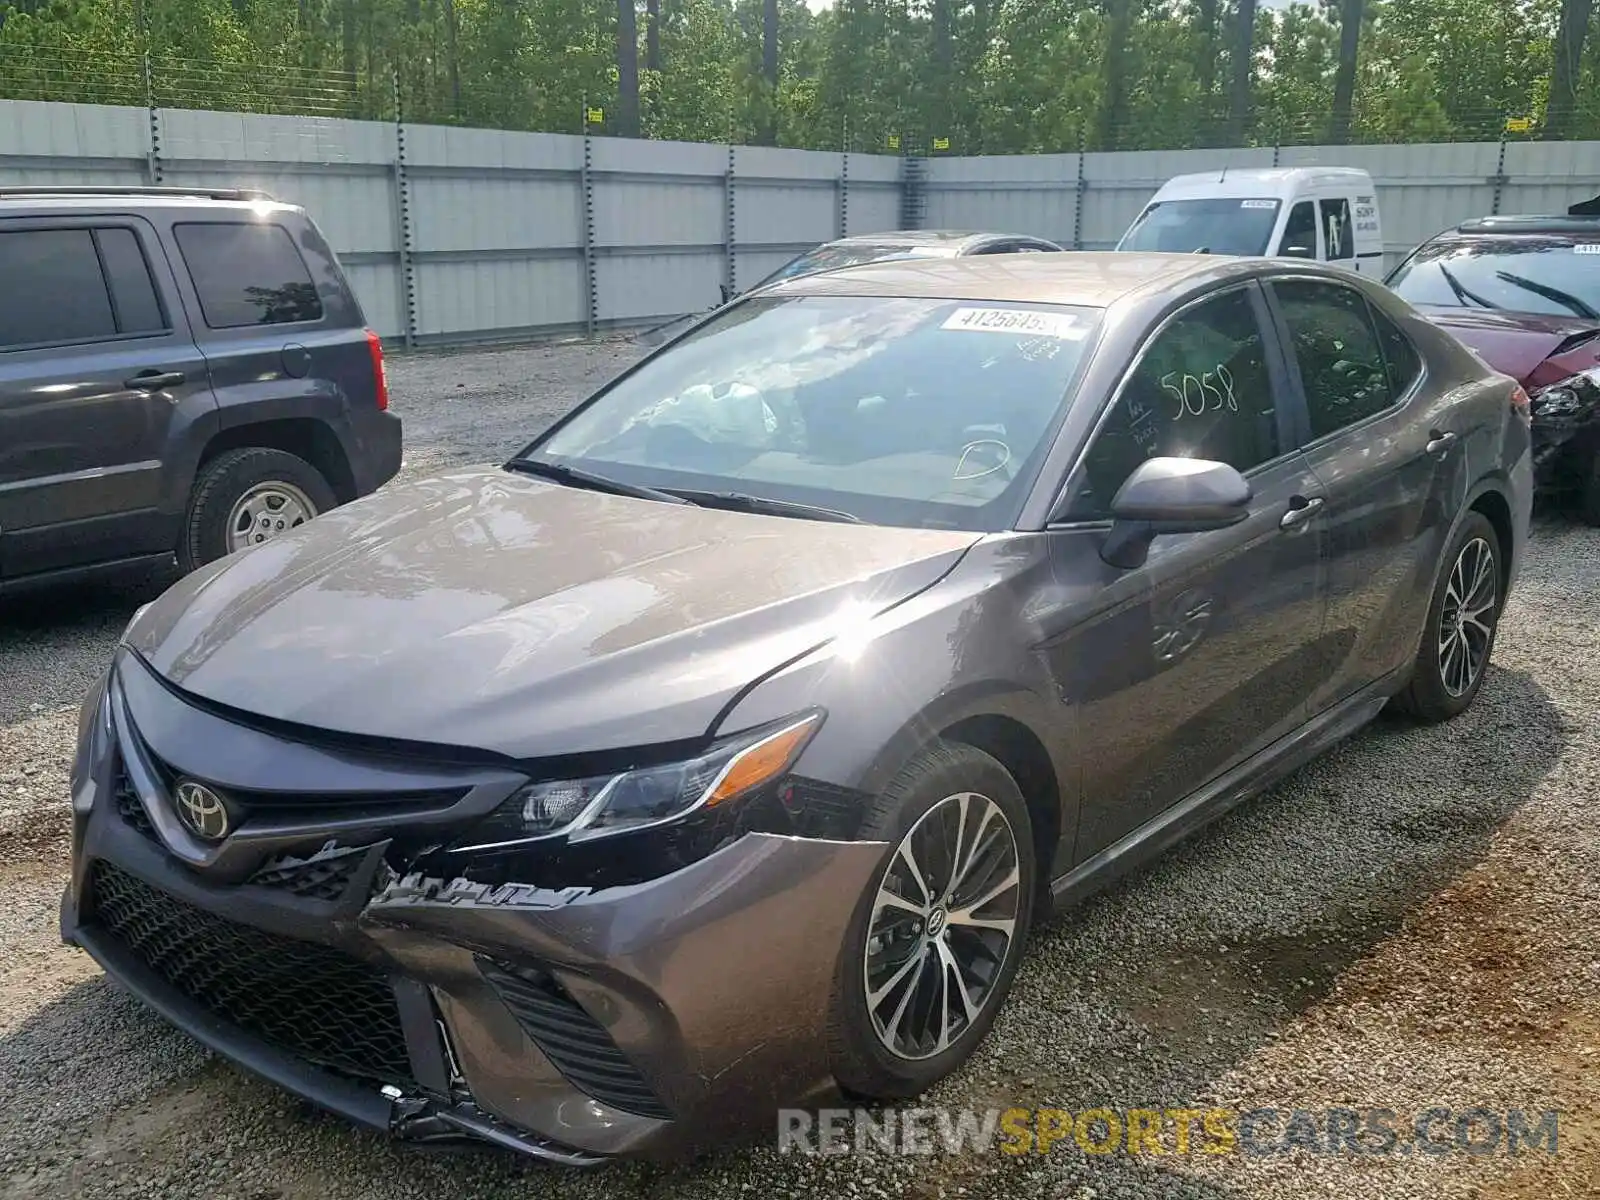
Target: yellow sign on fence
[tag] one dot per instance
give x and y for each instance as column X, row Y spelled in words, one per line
column 594, row 116
column 1518, row 124
column 894, row 141
column 941, row 143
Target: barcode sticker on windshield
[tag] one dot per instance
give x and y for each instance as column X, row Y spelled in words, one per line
column 1587, row 248
column 1258, row 204
column 1016, row 320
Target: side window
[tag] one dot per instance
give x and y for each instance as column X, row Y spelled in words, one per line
column 133, row 292
column 1336, row 347
column 1400, row 357
column 1300, row 232
column 53, row 290
column 1201, row 390
column 1337, row 233
column 247, row 274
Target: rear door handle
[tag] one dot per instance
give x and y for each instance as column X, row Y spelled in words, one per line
column 154, row 381
column 1440, row 442
column 1301, row 510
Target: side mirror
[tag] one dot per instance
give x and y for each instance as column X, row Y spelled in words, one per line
column 1172, row 495
column 727, row 293
column 1297, row 250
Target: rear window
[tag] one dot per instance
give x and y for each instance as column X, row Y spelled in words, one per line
column 833, row 257
column 1214, row 225
column 247, row 273
column 1558, row 276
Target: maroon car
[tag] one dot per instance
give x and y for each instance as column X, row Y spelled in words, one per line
column 1524, row 293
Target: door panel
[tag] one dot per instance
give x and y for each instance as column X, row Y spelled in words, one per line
column 1205, row 654
column 1388, row 498
column 83, row 438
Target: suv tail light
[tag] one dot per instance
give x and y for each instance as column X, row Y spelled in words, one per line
column 1521, row 404
column 380, row 378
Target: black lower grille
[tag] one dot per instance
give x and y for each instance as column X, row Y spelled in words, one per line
column 312, row 1001
column 572, row 1040
column 129, row 807
column 323, row 876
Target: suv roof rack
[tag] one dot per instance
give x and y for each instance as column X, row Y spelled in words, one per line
column 18, row 190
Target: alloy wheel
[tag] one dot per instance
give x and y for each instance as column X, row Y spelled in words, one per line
column 943, row 922
column 266, row 511
column 1467, row 617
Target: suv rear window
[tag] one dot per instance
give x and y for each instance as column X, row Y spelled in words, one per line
column 247, row 273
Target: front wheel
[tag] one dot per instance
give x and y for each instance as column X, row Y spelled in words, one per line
column 935, row 941
column 1462, row 621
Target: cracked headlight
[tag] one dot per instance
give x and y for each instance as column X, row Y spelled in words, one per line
column 601, row 805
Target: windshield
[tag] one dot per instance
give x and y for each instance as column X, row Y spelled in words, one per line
column 1553, row 275
column 832, row 257
column 1217, row 226
column 910, row 412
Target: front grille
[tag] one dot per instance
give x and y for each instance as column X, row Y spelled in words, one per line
column 129, row 807
column 312, row 1001
column 571, row 1039
column 324, row 876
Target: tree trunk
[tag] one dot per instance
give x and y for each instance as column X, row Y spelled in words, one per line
column 769, row 65
column 652, row 35
column 944, row 71
column 1114, row 75
column 347, row 35
column 452, row 39
column 627, row 70
column 1571, row 32
column 1244, row 44
column 1351, row 13
column 1206, row 26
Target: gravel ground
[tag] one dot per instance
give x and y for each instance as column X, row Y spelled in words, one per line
column 1407, row 922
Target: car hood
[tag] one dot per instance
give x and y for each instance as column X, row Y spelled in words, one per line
column 1536, row 349
column 495, row 611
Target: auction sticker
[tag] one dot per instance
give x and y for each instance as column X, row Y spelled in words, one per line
column 1016, row 320
column 1587, row 248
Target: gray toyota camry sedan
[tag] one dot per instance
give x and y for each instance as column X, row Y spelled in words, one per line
column 719, row 749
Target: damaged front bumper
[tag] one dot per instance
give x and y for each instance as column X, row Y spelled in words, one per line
column 569, row 1024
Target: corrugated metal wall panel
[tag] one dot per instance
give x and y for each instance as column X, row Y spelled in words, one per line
column 497, row 220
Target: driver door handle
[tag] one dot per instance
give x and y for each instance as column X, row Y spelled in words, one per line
column 1300, row 511
column 1439, row 442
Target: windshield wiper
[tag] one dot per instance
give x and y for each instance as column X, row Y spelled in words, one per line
column 578, row 477
column 1462, row 294
column 743, row 502
column 1552, row 294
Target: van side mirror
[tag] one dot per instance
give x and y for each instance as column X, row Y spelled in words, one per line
column 1172, row 495
column 1298, row 249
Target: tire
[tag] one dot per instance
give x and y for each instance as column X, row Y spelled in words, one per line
column 1440, row 688
column 863, row 1063
column 226, row 480
column 1589, row 496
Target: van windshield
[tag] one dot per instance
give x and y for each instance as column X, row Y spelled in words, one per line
column 1214, row 225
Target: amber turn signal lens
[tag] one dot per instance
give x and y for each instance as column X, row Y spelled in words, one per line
column 764, row 761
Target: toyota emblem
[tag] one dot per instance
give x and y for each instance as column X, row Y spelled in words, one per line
column 201, row 810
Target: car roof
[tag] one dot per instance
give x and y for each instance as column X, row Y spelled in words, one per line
column 17, row 198
column 948, row 238
column 1093, row 279
column 1226, row 182
column 1560, row 225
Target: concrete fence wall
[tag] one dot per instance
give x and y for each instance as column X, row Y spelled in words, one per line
column 462, row 235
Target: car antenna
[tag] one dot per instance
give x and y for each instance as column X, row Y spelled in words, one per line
column 1223, row 178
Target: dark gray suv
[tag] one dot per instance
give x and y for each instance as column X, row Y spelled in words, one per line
column 180, row 371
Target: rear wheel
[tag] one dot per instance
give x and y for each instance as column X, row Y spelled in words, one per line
column 247, row 497
column 1462, row 621
column 935, row 941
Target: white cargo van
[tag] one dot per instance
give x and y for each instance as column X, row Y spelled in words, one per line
column 1326, row 213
